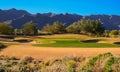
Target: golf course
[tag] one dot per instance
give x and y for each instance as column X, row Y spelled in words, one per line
column 49, row 46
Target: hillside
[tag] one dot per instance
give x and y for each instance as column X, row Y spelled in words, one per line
column 17, row 18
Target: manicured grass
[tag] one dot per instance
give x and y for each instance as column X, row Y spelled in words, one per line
column 73, row 43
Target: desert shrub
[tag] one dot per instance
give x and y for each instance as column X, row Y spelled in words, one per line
column 57, row 67
column 14, row 58
column 109, row 63
column 91, row 63
column 70, row 64
column 36, row 62
column 53, row 61
column 4, row 58
column 85, row 70
column 22, row 68
column 2, row 69
column 42, row 66
column 67, row 58
column 78, row 59
column 101, row 63
column 27, row 59
column 116, row 67
column 70, row 70
column 9, row 64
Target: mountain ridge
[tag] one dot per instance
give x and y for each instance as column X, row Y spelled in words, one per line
column 19, row 17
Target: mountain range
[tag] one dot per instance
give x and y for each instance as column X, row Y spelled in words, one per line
column 17, row 18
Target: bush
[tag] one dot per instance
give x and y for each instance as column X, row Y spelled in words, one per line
column 70, row 64
column 5, row 29
column 55, row 28
column 29, row 28
column 116, row 66
column 109, row 63
column 114, row 33
column 2, row 69
column 101, row 63
column 92, row 62
column 27, row 59
column 90, row 27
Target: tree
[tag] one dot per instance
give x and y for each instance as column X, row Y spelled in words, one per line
column 47, row 28
column 5, row 28
column 55, row 28
column 29, row 28
column 106, row 33
column 114, row 33
column 18, row 31
column 74, row 28
column 58, row 27
column 91, row 27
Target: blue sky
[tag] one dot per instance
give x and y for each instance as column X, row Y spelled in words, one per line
column 82, row 7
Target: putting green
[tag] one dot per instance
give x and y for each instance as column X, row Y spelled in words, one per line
column 51, row 42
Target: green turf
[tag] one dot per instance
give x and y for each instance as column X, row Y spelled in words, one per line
column 74, row 43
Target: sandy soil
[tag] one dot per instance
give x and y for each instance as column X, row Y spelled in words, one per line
column 48, row 52
column 65, row 36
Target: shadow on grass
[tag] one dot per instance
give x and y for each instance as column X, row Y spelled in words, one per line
column 117, row 43
column 2, row 47
column 7, row 36
column 90, row 41
column 23, row 41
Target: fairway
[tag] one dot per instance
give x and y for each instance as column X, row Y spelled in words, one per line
column 71, row 42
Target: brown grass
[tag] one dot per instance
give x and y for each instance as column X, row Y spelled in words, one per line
column 48, row 52
column 65, row 36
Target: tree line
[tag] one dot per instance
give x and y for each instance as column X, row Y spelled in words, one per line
column 88, row 27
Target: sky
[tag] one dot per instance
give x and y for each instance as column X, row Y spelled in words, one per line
column 81, row 7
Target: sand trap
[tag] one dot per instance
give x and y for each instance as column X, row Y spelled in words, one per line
column 49, row 52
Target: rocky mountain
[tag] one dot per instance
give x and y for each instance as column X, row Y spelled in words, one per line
column 11, row 14
column 17, row 18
